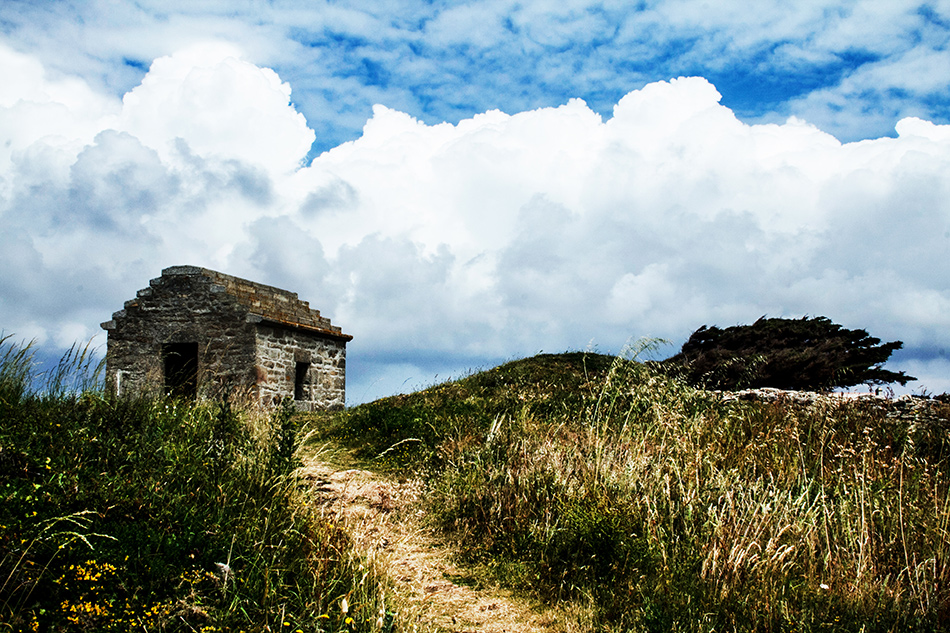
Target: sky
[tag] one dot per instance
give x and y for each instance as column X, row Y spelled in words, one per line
column 461, row 184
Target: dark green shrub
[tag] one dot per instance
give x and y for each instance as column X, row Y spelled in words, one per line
column 806, row 353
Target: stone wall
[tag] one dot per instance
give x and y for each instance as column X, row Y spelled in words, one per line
column 279, row 351
column 180, row 309
column 918, row 411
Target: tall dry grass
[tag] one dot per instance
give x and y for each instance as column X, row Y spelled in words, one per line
column 662, row 508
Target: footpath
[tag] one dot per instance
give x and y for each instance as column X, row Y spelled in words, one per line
column 384, row 520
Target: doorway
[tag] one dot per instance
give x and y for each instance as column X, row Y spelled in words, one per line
column 180, row 361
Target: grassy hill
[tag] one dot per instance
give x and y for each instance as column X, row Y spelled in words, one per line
column 656, row 507
column 580, row 479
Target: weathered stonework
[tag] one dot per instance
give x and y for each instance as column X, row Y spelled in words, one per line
column 197, row 331
column 920, row 412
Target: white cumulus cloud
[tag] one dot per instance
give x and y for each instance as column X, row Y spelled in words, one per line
column 450, row 246
column 220, row 106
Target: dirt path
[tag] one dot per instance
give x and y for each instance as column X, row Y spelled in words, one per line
column 384, row 519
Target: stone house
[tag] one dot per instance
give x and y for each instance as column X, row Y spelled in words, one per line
column 196, row 331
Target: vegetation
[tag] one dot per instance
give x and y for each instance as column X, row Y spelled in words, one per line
column 806, row 353
column 161, row 515
column 595, row 482
column 656, row 507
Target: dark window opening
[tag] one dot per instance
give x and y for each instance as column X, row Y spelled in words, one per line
column 181, row 369
column 300, row 380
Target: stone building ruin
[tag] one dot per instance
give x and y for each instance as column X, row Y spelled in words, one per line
column 195, row 331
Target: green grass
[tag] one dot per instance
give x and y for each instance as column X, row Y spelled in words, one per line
column 161, row 515
column 586, row 481
column 411, row 432
column 596, row 481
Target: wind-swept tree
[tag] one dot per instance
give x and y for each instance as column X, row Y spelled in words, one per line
column 805, row 354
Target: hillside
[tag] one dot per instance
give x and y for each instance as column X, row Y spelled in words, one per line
column 593, row 482
column 404, row 430
column 569, row 492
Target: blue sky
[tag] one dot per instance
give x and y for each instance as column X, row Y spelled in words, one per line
column 459, row 184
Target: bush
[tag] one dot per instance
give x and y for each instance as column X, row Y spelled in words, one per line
column 804, row 354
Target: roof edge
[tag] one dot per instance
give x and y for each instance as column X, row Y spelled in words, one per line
column 256, row 318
